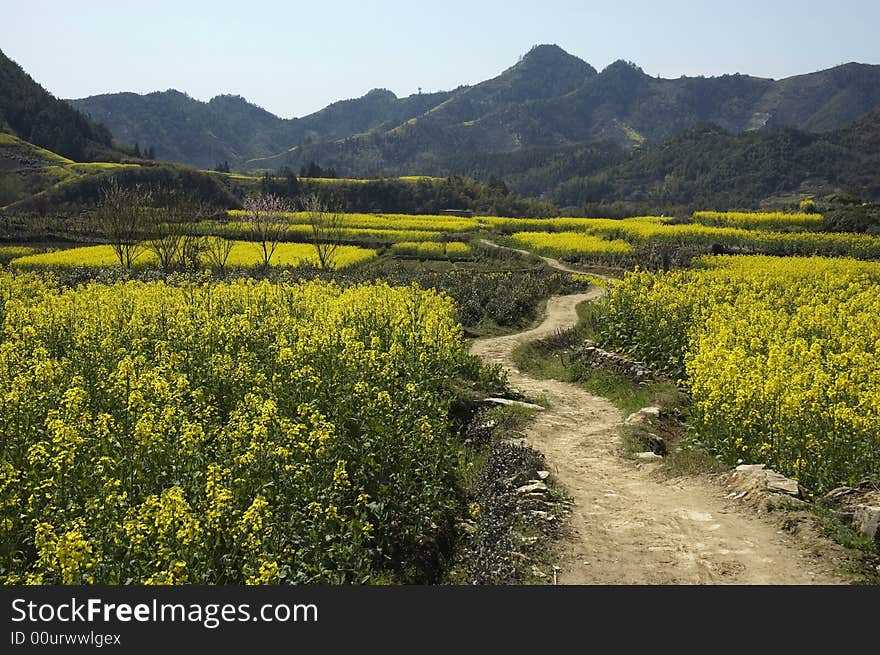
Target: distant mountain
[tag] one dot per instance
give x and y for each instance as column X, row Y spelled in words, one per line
column 230, row 129
column 549, row 100
column 708, row 167
column 823, row 101
column 620, row 105
column 30, row 112
column 550, row 126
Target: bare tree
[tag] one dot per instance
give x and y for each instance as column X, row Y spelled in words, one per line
column 173, row 239
column 122, row 218
column 267, row 217
column 166, row 236
column 217, row 251
column 193, row 245
column 326, row 222
column 192, row 248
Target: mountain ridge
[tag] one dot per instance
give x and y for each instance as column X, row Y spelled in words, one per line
column 29, row 111
column 550, row 126
column 549, row 98
column 229, row 128
column 708, row 167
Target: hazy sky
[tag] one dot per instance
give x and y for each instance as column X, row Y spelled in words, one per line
column 293, row 58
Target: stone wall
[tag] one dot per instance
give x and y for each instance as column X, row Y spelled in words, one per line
column 590, row 354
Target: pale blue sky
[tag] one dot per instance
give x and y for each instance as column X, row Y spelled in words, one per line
column 293, row 58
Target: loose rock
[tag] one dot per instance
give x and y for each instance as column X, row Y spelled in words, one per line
column 762, row 488
column 838, row 492
column 591, row 354
column 780, row 484
column 518, row 403
column 652, row 442
column 531, row 488
column 866, row 519
column 644, row 415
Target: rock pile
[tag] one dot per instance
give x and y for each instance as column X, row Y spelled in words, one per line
column 647, row 419
column 858, row 506
column 590, row 354
column 763, row 488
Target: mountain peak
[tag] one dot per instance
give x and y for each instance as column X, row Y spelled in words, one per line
column 232, row 100
column 376, row 94
column 171, row 93
column 228, row 97
column 622, row 66
column 549, row 55
column 546, row 50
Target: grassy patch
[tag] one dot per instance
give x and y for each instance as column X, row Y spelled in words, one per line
column 686, row 461
column 864, row 562
column 553, row 358
column 625, row 394
column 845, row 535
column 510, row 420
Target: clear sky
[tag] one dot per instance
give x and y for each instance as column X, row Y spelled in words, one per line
column 293, row 57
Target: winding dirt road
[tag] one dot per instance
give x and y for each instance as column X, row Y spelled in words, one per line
column 629, row 525
column 552, row 263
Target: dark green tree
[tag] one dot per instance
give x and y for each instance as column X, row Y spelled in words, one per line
column 291, row 187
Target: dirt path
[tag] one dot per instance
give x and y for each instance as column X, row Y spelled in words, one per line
column 630, row 526
column 552, row 263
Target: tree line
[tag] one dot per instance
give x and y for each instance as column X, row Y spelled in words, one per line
column 165, row 222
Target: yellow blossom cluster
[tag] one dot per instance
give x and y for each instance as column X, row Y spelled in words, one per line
column 431, row 249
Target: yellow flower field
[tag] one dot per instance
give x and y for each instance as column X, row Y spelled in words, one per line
column 423, row 222
column 780, row 354
column 244, row 253
column 572, row 245
column 648, row 230
column 431, row 249
column 222, row 433
column 768, row 221
column 303, row 232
